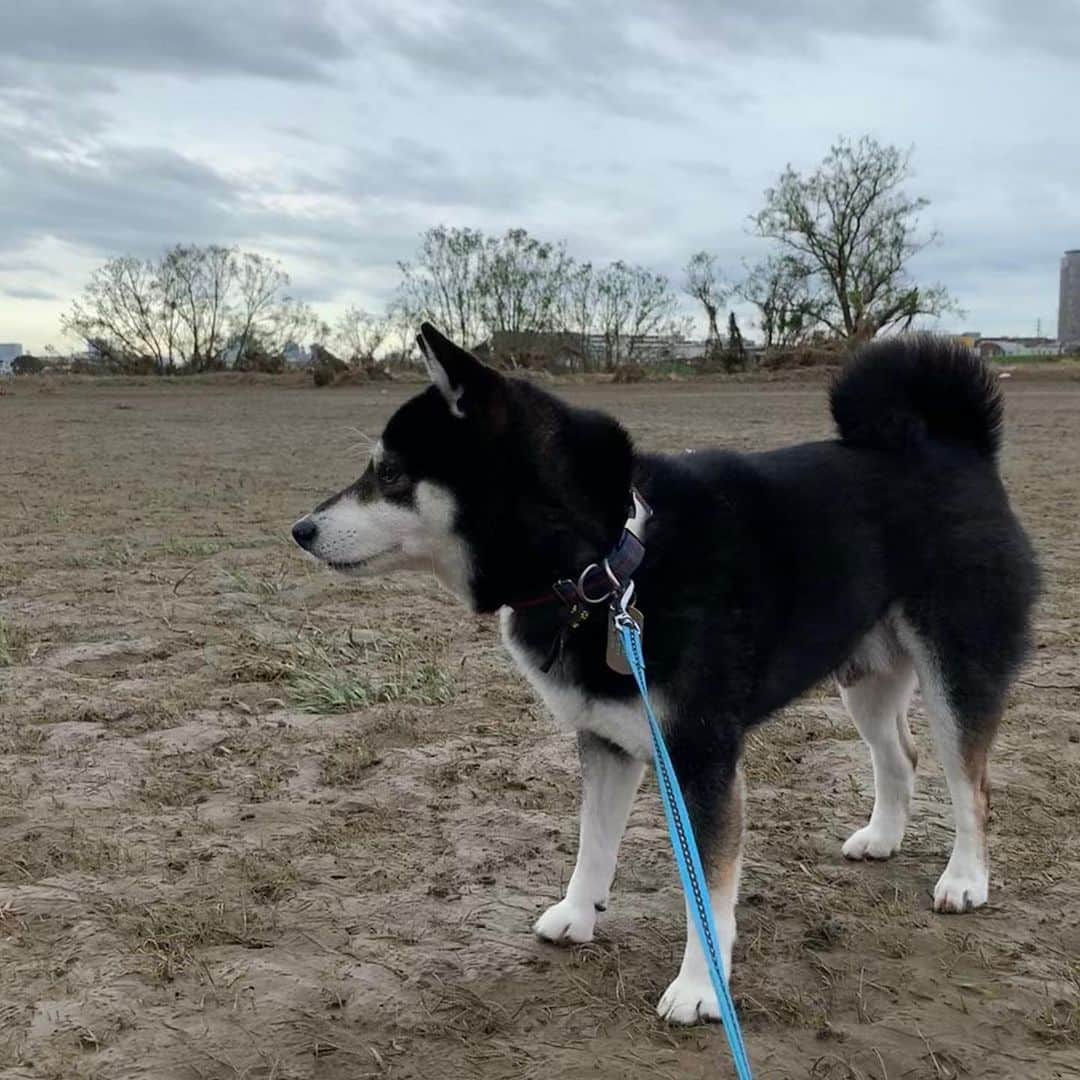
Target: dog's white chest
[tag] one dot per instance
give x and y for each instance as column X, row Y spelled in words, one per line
column 621, row 723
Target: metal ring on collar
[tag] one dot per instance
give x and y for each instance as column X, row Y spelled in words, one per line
column 581, row 586
column 616, row 584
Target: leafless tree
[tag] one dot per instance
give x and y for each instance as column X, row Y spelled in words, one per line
column 704, row 283
column 360, row 334
column 520, row 283
column 442, row 282
column 259, row 284
column 853, row 225
column 124, row 303
column 200, row 281
column 632, row 303
column 195, row 307
column 780, row 288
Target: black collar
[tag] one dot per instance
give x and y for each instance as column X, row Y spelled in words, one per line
column 598, row 581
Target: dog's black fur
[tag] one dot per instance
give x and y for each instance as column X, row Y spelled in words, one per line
column 763, row 572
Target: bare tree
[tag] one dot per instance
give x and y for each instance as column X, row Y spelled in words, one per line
column 851, row 223
column 780, row 289
column 401, row 333
column 632, row 303
column 195, row 306
column 578, row 308
column 200, row 281
column 442, row 282
column 704, row 283
column 359, row 335
column 520, row 283
column 259, row 283
column 289, row 322
column 124, row 303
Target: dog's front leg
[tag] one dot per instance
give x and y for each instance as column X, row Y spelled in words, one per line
column 609, row 780
column 714, row 797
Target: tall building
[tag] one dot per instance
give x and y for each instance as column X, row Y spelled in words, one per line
column 8, row 352
column 1069, row 303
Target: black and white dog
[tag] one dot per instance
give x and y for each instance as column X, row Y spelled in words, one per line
column 888, row 557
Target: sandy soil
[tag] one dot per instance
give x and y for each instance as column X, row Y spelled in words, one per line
column 258, row 822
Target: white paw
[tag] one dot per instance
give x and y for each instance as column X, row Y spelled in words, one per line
column 958, row 891
column 566, row 923
column 690, row 999
column 872, row 842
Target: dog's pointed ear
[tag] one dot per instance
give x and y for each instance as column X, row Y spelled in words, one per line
column 461, row 379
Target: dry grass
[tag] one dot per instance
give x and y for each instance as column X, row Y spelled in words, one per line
column 178, row 780
column 46, row 851
column 347, row 760
column 172, row 933
column 345, row 674
column 14, row 643
column 331, row 865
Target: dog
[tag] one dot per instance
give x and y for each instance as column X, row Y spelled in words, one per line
column 887, row 558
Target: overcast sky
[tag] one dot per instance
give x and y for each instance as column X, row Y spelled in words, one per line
column 331, row 136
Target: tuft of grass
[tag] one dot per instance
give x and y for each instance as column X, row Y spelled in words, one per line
column 329, row 682
column 265, row 781
column 179, row 780
column 1058, row 1022
column 264, row 588
column 44, row 852
column 267, row 876
column 190, row 547
column 13, row 643
column 346, row 762
column 171, row 932
column 22, row 739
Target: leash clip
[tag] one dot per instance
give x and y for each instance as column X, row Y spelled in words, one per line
column 620, row 607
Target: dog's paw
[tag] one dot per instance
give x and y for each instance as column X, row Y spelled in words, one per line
column 690, row 999
column 566, row 923
column 872, row 842
column 959, row 891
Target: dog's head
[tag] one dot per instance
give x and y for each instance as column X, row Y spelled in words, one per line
column 495, row 485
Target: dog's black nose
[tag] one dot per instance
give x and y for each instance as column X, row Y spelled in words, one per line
column 304, row 532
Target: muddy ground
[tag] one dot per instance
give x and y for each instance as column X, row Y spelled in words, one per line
column 258, row 822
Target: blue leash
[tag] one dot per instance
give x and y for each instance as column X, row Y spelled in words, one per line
column 684, row 846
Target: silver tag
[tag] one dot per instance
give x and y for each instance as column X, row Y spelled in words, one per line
column 616, row 658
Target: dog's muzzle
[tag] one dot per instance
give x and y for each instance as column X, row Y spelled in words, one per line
column 305, row 531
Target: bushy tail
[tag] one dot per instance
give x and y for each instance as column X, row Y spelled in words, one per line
column 898, row 393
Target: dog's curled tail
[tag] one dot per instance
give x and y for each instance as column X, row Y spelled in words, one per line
column 899, row 393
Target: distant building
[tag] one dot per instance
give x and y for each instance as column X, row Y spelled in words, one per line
column 1069, row 302
column 296, row 355
column 562, row 349
column 993, row 348
column 8, row 352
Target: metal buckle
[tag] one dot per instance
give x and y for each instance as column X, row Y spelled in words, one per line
column 580, row 587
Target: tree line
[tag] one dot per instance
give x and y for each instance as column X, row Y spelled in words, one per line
column 842, row 236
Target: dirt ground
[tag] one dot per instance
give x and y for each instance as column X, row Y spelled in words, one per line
column 260, row 822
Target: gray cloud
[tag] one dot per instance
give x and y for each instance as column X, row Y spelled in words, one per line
column 629, row 57
column 409, row 170
column 1051, row 26
column 28, row 292
column 332, row 136
column 274, row 39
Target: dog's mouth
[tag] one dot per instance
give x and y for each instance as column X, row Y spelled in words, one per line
column 352, row 566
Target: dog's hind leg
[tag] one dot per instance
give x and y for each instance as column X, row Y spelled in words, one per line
column 690, row 998
column 878, row 703
column 610, row 778
column 964, row 720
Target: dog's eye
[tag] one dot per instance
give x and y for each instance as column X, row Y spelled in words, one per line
column 388, row 473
